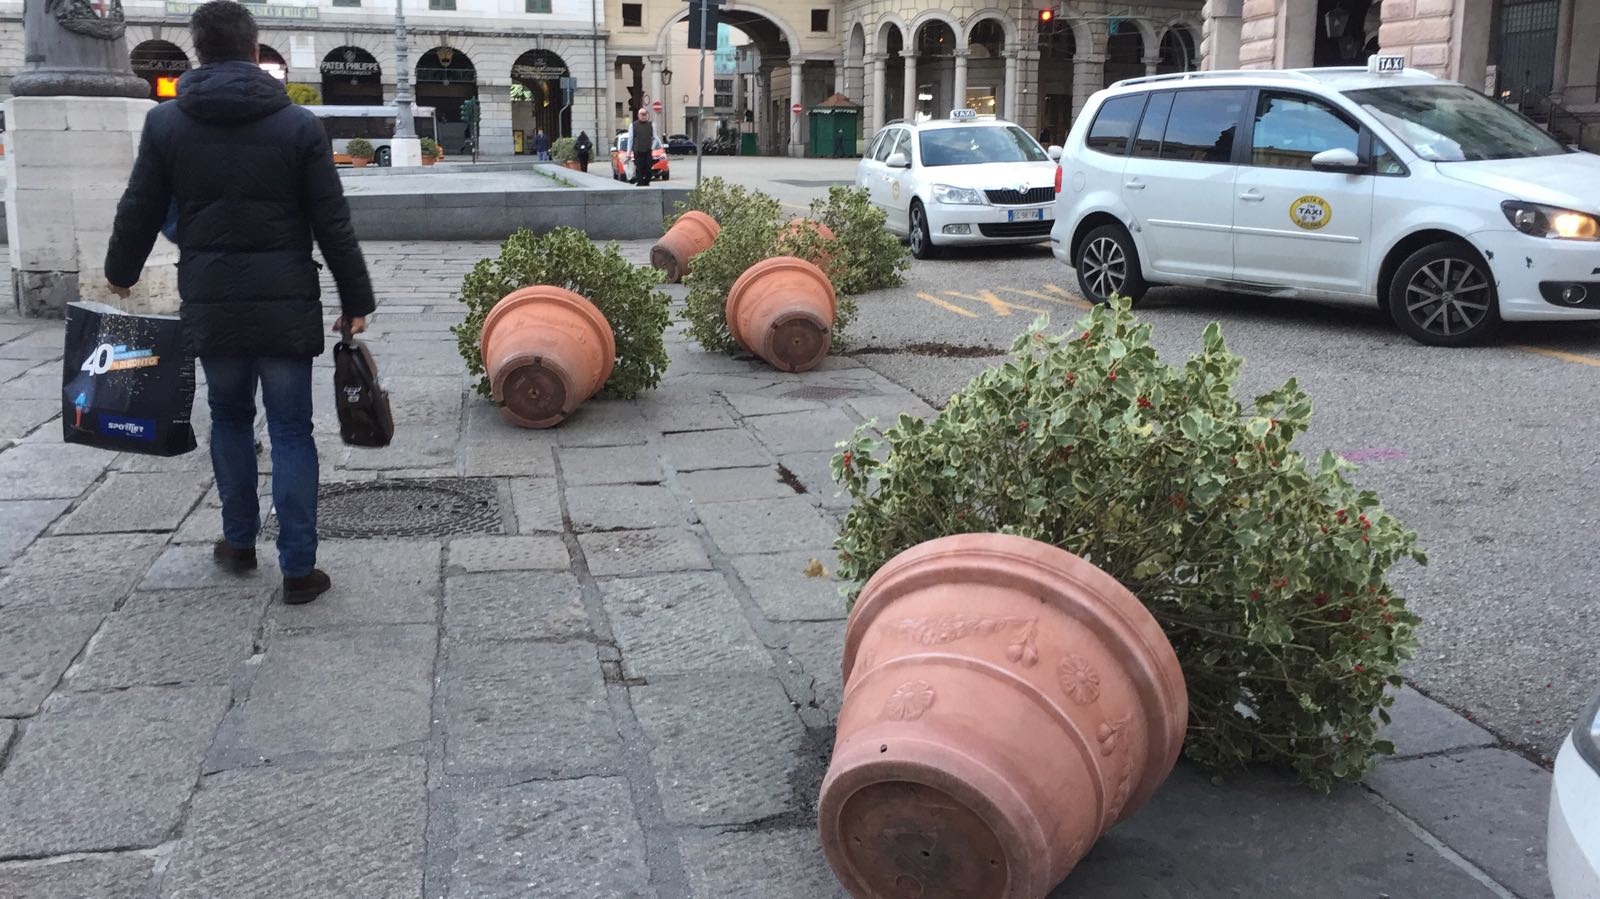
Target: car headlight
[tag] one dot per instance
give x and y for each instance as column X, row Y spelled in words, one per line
column 959, row 196
column 1550, row 221
column 1586, row 734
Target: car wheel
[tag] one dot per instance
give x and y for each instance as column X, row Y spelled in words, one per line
column 1108, row 266
column 1444, row 295
column 921, row 240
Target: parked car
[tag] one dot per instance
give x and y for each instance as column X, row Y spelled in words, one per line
column 680, row 144
column 962, row 180
column 1380, row 185
column 622, row 159
column 1573, row 839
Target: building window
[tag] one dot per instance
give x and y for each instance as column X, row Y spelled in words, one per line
column 539, row 7
column 441, row 4
column 346, row 2
column 633, row 15
column 819, row 20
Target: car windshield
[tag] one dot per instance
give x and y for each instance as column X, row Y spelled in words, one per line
column 1450, row 123
column 971, row 145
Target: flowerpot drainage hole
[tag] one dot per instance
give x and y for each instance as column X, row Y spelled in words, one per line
column 413, row 507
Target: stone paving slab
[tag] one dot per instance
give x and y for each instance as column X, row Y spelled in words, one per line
column 198, row 638
column 104, row 771
column 73, row 575
column 1421, row 726
column 676, row 418
column 609, row 465
column 814, row 471
column 19, row 418
column 23, row 520
column 724, row 485
column 785, row 590
column 743, row 864
column 37, row 650
column 623, row 507
column 723, row 747
column 339, row 831
column 1490, row 805
column 537, row 502
column 680, row 624
column 515, row 605
column 137, row 502
column 374, row 582
column 534, row 709
column 550, row 840
column 43, row 471
column 193, row 567
column 530, row 457
column 819, row 648
column 700, row 450
column 124, row 875
column 643, row 552
column 354, row 690
column 480, row 554
column 603, row 423
column 802, row 432
column 766, row 525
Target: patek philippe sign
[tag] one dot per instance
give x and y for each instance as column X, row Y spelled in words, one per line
column 350, row 64
column 184, row 9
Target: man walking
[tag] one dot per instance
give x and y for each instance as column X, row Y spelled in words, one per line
column 642, row 144
column 254, row 182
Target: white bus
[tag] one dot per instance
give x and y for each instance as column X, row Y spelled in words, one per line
column 375, row 123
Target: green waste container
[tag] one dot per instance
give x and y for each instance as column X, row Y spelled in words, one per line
column 748, row 145
column 834, row 130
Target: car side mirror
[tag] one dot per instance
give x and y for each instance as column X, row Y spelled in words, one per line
column 898, row 161
column 1054, row 152
column 1338, row 160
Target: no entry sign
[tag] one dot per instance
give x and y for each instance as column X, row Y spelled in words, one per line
column 796, row 109
column 656, row 106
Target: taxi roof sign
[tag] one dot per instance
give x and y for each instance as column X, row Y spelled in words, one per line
column 962, row 115
column 1387, row 64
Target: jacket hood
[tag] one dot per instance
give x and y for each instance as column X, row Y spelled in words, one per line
column 230, row 93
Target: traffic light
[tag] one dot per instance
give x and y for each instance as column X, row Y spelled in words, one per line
column 707, row 10
column 1047, row 21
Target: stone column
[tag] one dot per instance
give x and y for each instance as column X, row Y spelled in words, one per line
column 74, row 123
column 1422, row 31
column 1151, row 63
column 875, row 99
column 1088, row 76
column 1219, row 39
column 958, row 95
column 1258, row 34
column 797, row 94
column 494, row 122
column 652, row 81
column 908, row 105
column 1025, row 75
column 1009, row 104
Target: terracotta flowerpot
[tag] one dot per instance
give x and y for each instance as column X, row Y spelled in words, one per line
column 799, row 225
column 782, row 310
column 572, row 164
column 1005, row 703
column 692, row 234
column 429, row 160
column 360, row 162
column 547, row 350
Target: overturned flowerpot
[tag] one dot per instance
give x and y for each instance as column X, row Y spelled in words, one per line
column 572, row 164
column 692, row 234
column 782, row 310
column 798, row 227
column 546, row 350
column 1005, row 703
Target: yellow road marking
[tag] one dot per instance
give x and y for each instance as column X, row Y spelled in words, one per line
column 1562, row 355
column 1056, row 295
column 998, row 306
column 946, row 306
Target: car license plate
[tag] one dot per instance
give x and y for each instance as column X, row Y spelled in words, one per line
column 1025, row 215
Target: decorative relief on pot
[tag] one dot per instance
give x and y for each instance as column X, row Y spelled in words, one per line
column 954, row 628
column 1110, row 734
column 1078, row 679
column 1124, row 787
column 909, row 701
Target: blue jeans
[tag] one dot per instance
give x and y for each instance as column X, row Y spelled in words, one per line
column 286, row 393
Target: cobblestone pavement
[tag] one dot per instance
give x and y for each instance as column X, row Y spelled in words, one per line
column 599, row 671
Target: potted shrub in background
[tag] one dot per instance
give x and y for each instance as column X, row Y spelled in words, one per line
column 359, row 150
column 303, row 95
column 545, row 351
column 565, row 151
column 431, row 151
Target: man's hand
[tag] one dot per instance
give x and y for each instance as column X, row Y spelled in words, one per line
column 122, row 292
column 357, row 324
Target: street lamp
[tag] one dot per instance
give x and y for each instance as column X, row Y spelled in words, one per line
column 404, row 149
column 666, row 114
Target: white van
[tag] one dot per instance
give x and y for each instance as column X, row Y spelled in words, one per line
column 1421, row 195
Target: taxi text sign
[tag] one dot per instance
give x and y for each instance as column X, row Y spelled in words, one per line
column 1388, row 64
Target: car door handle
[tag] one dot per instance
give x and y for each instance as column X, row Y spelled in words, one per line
column 1135, row 184
column 1252, row 196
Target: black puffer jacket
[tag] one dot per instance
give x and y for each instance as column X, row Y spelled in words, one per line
column 254, row 180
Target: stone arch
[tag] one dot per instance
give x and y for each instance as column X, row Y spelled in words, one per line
column 930, row 16
column 1127, row 43
column 882, row 33
column 1008, row 26
column 856, row 44
column 742, row 17
column 1179, row 49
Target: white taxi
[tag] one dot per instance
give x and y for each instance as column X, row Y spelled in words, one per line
column 1377, row 185
column 960, row 181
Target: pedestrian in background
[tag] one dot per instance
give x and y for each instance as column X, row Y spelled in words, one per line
column 642, row 144
column 252, row 308
column 585, row 150
column 541, row 145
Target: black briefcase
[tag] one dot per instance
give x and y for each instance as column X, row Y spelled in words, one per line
column 364, row 416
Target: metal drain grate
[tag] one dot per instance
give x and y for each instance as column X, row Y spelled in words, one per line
column 433, row 507
column 820, row 393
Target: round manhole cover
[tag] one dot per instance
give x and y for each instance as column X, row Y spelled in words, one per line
column 407, row 508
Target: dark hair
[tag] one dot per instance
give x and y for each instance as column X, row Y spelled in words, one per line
column 222, row 30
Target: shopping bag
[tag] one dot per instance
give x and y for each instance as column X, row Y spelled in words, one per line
column 364, row 416
column 127, row 383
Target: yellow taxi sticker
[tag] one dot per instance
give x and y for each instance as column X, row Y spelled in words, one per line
column 1310, row 212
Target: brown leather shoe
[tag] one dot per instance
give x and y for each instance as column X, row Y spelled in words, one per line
column 301, row 590
column 233, row 559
